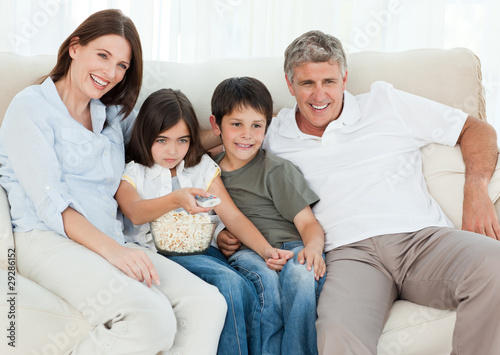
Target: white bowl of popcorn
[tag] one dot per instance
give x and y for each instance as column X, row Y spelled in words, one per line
column 180, row 233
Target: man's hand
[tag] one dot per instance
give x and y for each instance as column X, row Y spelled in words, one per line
column 227, row 243
column 313, row 258
column 210, row 141
column 479, row 214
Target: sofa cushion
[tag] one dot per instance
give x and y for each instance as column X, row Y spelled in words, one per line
column 416, row 330
column 449, row 76
column 198, row 81
column 18, row 72
column 44, row 323
column 444, row 172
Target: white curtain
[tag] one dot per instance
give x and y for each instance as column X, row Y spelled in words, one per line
column 198, row 30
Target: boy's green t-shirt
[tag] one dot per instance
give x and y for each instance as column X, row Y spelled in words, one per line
column 270, row 191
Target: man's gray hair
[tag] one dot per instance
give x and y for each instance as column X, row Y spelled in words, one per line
column 314, row 47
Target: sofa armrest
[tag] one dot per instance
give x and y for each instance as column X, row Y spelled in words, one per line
column 444, row 171
column 44, row 323
column 6, row 237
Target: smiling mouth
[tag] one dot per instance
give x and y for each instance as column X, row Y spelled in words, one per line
column 99, row 81
column 319, row 107
column 244, row 146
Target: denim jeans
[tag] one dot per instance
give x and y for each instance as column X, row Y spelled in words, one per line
column 288, row 301
column 241, row 332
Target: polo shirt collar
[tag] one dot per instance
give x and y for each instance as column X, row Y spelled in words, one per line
column 351, row 114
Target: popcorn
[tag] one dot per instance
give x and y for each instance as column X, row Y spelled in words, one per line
column 182, row 233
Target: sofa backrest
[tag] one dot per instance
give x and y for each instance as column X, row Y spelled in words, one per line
column 452, row 77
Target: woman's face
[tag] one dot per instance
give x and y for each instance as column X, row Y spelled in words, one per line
column 99, row 65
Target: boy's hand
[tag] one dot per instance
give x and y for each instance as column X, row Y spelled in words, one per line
column 277, row 258
column 314, row 259
column 227, row 243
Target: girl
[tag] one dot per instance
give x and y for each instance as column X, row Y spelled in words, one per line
column 61, row 161
column 168, row 168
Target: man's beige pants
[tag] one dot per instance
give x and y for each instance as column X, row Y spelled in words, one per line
column 437, row 267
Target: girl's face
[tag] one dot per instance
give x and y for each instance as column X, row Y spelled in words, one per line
column 99, row 65
column 171, row 146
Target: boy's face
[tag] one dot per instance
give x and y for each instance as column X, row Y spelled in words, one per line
column 242, row 132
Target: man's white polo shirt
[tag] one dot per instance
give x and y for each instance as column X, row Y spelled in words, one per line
column 367, row 168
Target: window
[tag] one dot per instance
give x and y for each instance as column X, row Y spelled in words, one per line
column 198, row 30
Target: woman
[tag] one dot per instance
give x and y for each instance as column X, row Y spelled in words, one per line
column 62, row 157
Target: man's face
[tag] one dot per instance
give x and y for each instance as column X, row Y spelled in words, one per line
column 319, row 91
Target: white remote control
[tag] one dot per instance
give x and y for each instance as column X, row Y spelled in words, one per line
column 210, row 201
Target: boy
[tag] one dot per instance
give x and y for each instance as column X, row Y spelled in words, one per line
column 273, row 194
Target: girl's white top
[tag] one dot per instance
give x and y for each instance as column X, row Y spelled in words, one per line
column 157, row 181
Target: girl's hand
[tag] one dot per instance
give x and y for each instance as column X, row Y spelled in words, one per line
column 277, row 258
column 185, row 197
column 314, row 259
column 135, row 263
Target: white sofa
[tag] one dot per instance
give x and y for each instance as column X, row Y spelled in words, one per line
column 46, row 324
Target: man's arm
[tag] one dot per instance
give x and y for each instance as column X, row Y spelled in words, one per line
column 313, row 236
column 478, row 142
column 211, row 142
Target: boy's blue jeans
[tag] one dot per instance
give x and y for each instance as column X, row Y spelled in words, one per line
column 288, row 301
column 241, row 332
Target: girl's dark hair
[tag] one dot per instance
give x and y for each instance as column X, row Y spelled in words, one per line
column 162, row 110
column 237, row 93
column 102, row 23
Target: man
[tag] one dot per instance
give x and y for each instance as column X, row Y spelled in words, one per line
column 386, row 240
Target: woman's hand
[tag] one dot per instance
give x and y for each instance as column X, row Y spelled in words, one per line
column 133, row 262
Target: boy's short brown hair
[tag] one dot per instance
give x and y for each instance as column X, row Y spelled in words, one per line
column 241, row 92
